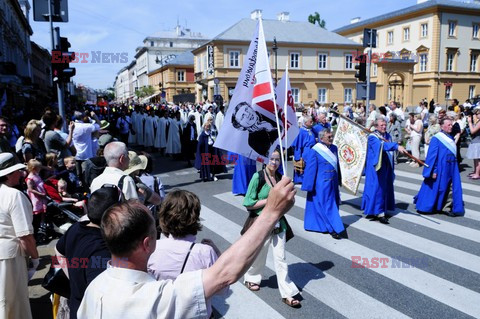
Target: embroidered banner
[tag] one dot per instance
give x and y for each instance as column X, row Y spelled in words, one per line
column 352, row 153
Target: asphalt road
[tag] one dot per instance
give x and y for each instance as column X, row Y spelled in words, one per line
column 445, row 283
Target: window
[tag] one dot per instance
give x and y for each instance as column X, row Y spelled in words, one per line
column 452, row 25
column 406, row 34
column 475, row 30
column 171, row 44
column 322, row 61
column 181, row 76
column 294, row 60
column 450, row 57
column 423, row 62
column 471, row 91
column 390, row 37
column 199, row 64
column 295, row 95
column 375, row 69
column 448, row 92
column 424, row 30
column 348, row 95
column 348, row 61
column 322, row 95
column 473, row 62
column 152, row 43
column 234, row 59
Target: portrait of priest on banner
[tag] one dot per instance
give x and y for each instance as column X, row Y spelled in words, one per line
column 262, row 131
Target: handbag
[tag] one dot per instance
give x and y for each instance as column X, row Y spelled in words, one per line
column 299, row 166
column 249, row 222
column 56, row 281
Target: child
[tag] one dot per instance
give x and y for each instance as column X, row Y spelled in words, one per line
column 50, row 169
column 74, row 183
column 66, row 197
column 37, row 195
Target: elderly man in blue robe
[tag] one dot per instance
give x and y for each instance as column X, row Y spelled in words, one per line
column 302, row 143
column 322, row 177
column 442, row 176
column 378, row 194
column 321, row 125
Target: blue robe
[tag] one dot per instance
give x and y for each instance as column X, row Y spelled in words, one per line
column 378, row 194
column 242, row 174
column 320, row 127
column 304, row 141
column 323, row 198
column 434, row 192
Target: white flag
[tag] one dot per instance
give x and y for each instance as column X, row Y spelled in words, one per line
column 250, row 127
column 284, row 91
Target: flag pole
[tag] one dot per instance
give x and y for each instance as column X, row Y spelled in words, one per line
column 285, row 110
column 279, row 133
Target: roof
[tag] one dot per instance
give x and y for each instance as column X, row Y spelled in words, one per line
column 185, row 58
column 182, row 34
column 284, row 32
column 412, row 9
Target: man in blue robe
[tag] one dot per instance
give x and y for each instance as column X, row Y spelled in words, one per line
column 321, row 181
column 321, row 125
column 242, row 173
column 378, row 194
column 303, row 142
column 441, row 175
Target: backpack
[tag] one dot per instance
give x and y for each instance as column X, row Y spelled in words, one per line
column 92, row 168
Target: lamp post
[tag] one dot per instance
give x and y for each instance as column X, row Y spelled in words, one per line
column 275, row 49
column 158, row 61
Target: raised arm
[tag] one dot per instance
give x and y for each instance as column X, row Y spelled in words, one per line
column 234, row 262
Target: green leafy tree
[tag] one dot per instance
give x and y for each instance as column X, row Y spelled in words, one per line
column 315, row 18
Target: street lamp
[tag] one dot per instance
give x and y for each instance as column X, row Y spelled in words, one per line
column 275, row 49
column 160, row 61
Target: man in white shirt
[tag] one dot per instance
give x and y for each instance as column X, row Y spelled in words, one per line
column 126, row 290
column 395, row 109
column 82, row 138
column 219, row 118
column 116, row 156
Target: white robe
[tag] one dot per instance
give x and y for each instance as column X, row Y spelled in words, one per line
column 174, row 145
column 198, row 122
column 132, row 139
column 139, row 129
column 160, row 137
column 149, row 134
column 219, row 120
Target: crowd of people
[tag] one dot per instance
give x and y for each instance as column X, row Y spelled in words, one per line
column 97, row 163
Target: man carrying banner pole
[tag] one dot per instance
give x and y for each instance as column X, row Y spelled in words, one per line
column 378, row 195
column 321, row 181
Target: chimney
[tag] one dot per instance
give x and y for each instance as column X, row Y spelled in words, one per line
column 256, row 14
column 421, row 1
column 283, row 16
column 355, row 20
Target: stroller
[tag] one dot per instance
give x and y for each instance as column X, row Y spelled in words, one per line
column 59, row 215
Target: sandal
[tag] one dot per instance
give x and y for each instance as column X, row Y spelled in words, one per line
column 252, row 286
column 294, row 303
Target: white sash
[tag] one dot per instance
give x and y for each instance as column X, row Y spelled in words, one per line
column 327, row 154
column 448, row 142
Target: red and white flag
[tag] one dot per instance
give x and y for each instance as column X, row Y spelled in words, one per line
column 250, row 125
column 286, row 110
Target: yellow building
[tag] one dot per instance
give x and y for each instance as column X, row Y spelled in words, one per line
column 321, row 65
column 423, row 49
column 174, row 77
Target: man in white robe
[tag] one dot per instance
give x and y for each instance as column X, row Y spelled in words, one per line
column 132, row 138
column 160, row 136
column 219, row 118
column 174, row 145
column 149, row 132
column 139, row 127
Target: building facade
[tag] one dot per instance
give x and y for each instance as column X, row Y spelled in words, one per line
column 429, row 50
column 41, row 72
column 321, row 65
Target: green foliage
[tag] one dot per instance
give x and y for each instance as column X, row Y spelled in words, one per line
column 145, row 91
column 315, row 18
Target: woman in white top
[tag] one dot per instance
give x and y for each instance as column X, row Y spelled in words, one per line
column 414, row 127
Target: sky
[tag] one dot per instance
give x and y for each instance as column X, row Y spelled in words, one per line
column 120, row 26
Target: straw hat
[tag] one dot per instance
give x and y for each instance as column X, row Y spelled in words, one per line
column 8, row 164
column 104, row 124
column 137, row 162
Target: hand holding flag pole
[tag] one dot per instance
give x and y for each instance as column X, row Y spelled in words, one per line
column 366, row 130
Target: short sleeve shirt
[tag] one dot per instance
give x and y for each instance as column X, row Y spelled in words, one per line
column 16, row 217
column 56, row 144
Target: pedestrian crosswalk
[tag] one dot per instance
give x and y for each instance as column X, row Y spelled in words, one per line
column 443, row 284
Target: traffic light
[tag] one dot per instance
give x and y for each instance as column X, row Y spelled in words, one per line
column 61, row 58
column 361, row 66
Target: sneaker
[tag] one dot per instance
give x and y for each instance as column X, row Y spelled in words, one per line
column 215, row 179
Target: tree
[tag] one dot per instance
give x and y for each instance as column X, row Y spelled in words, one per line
column 314, row 18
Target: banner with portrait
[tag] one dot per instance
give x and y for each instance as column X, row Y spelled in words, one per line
column 250, row 126
column 351, row 141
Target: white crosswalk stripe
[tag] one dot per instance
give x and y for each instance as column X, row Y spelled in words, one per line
column 421, row 281
column 418, row 176
column 329, row 290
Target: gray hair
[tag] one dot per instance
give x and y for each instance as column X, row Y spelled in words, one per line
column 378, row 119
column 305, row 119
column 322, row 133
column 322, row 113
column 113, row 151
column 432, row 119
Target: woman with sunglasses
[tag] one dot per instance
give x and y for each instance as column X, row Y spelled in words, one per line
column 255, row 200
